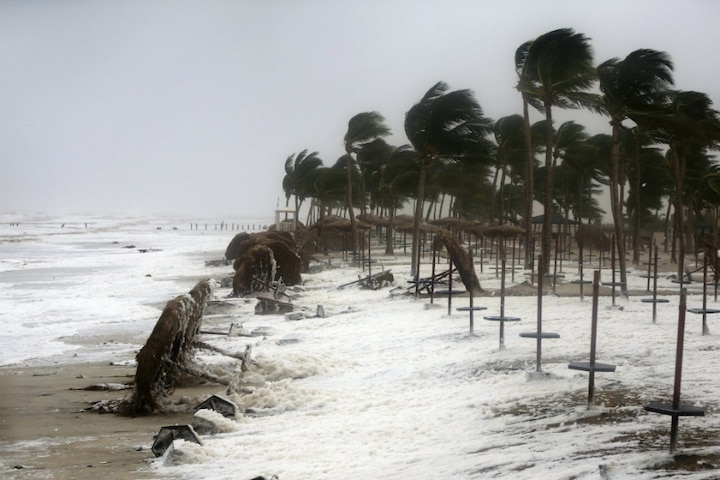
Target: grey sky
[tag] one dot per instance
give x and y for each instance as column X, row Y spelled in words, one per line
column 192, row 107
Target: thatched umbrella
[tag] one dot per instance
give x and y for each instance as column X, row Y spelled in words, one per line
column 452, row 223
column 374, row 220
column 424, row 228
column 267, row 256
column 403, row 220
column 503, row 231
column 461, row 259
column 232, row 250
column 254, row 270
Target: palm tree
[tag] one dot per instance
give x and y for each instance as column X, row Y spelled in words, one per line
column 399, row 182
column 631, row 88
column 511, row 154
column 444, row 125
column 362, row 128
column 583, row 161
column 525, row 87
column 690, row 127
column 300, row 171
column 555, row 69
column 371, row 159
column 330, row 187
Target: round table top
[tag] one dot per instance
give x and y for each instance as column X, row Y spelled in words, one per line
column 499, row 318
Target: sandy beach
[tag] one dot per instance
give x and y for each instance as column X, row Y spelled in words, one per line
column 43, row 407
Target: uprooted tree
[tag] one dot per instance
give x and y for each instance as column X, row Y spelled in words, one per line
column 168, row 352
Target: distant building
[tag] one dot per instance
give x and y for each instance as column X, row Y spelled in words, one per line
column 285, row 219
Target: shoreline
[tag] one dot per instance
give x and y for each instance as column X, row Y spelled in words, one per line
column 44, row 430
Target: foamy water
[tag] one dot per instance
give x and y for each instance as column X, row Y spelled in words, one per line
column 63, row 284
column 384, row 386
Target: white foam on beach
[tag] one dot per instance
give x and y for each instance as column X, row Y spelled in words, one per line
column 383, row 387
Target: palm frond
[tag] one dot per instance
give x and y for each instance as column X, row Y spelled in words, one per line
column 365, row 127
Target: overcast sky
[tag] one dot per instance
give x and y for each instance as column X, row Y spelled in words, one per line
column 192, row 107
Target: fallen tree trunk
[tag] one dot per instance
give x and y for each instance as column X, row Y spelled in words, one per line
column 168, row 348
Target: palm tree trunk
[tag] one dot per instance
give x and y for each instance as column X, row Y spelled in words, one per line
column 638, row 203
column 494, row 201
column 297, row 211
column 529, row 183
column 616, row 205
column 389, row 234
column 501, row 202
column 548, row 213
column 679, row 214
column 667, row 231
column 351, row 211
column 690, row 232
column 415, row 252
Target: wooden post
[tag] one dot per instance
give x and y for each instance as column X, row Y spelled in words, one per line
column 705, row 330
column 580, row 265
column 513, row 260
column 650, row 249
column 538, row 352
column 502, row 306
column 369, row 254
column 432, row 280
column 655, row 263
column 450, row 290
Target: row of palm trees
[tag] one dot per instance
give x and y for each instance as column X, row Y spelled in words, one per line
column 659, row 147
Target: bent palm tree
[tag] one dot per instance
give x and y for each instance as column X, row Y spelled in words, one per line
column 690, row 127
column 443, row 125
column 631, row 88
column 362, row 128
column 510, row 137
column 556, row 70
column 300, row 171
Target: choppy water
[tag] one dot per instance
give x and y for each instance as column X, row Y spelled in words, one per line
column 64, row 278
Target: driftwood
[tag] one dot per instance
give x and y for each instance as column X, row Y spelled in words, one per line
column 372, row 281
column 168, row 350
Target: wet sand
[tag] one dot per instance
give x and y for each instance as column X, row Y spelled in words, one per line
column 44, row 432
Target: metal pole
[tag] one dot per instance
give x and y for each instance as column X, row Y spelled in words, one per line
column 678, row 368
column 705, row 268
column 450, row 267
column 593, row 338
column 502, row 306
column 580, row 266
column 541, row 272
column 612, row 266
column 655, row 285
